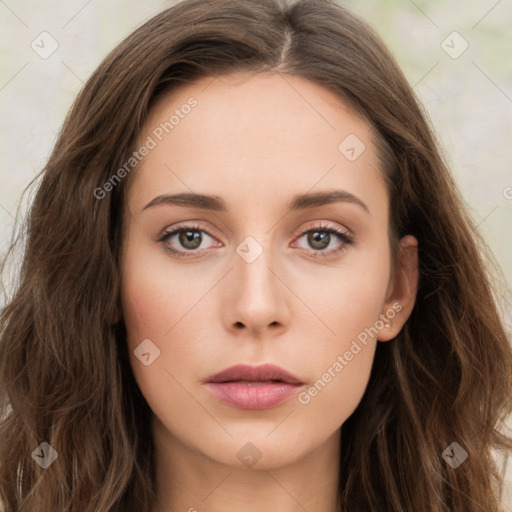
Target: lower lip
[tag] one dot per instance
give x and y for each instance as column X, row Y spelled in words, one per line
column 253, row 396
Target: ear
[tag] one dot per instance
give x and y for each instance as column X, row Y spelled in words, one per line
column 402, row 288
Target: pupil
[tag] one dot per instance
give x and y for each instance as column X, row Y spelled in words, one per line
column 319, row 239
column 188, row 236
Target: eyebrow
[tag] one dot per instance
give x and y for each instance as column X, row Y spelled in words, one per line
column 216, row 203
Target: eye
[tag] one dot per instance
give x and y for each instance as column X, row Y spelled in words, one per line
column 187, row 237
column 320, row 237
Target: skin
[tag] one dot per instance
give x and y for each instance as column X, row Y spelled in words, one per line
column 256, row 141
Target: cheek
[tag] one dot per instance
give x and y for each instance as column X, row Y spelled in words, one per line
column 341, row 376
column 160, row 306
column 150, row 299
column 339, row 365
column 347, row 299
column 341, row 359
column 147, row 313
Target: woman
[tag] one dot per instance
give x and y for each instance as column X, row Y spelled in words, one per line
column 250, row 283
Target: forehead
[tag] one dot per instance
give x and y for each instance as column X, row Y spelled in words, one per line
column 246, row 137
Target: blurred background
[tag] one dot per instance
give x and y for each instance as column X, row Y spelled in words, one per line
column 455, row 54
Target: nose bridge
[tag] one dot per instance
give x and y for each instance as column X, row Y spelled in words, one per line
column 256, row 229
column 254, row 260
column 256, row 290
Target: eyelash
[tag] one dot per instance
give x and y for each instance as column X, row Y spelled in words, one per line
column 342, row 235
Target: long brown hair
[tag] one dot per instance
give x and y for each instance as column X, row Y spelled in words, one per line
column 65, row 378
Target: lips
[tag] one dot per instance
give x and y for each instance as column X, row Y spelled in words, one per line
column 253, row 387
column 263, row 373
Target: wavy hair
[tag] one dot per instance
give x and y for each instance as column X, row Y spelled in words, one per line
column 65, row 377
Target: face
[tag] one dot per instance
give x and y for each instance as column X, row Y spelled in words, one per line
column 263, row 275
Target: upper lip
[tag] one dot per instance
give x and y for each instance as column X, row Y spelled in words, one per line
column 264, row 372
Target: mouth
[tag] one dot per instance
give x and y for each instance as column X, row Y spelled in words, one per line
column 253, row 387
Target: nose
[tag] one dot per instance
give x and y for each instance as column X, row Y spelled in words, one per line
column 257, row 294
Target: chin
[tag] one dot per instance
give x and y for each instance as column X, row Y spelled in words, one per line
column 259, row 451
